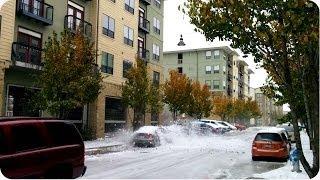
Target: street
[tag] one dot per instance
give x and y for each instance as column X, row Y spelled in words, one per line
column 218, row 156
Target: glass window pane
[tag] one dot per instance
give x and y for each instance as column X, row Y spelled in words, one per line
column 111, row 24
column 130, row 34
column 208, row 53
column 208, row 68
column 104, row 59
column 125, row 32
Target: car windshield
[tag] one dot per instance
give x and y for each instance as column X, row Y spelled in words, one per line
column 268, row 137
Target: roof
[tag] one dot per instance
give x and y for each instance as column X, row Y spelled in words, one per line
column 147, row 129
column 272, row 130
column 225, row 48
column 242, row 62
column 250, row 71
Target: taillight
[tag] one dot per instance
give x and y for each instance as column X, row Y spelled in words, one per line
column 254, row 144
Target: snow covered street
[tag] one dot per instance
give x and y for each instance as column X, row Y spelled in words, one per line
column 180, row 156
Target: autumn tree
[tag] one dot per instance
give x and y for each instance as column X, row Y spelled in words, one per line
column 244, row 110
column 284, row 37
column 200, row 104
column 223, row 107
column 177, row 90
column 135, row 92
column 69, row 78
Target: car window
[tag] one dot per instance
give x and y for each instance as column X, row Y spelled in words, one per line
column 63, row 133
column 284, row 137
column 268, row 137
column 26, row 137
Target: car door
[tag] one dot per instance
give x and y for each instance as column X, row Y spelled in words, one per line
column 26, row 158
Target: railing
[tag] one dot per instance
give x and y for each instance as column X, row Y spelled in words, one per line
column 26, row 54
column 144, row 24
column 147, row 2
column 73, row 24
column 37, row 10
column 144, row 55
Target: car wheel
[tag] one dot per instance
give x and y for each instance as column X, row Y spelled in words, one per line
column 60, row 172
column 254, row 158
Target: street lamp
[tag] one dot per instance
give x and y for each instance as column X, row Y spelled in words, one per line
column 181, row 43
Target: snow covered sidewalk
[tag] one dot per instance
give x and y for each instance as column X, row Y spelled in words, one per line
column 285, row 172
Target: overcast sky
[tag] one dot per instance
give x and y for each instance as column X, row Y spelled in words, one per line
column 176, row 23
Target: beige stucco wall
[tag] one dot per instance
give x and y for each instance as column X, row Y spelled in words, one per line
column 7, row 12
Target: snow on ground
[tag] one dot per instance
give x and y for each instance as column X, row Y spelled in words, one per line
column 285, row 172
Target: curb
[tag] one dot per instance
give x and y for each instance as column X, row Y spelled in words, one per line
column 104, row 149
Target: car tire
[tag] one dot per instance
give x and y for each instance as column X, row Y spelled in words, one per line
column 60, row 172
column 254, row 158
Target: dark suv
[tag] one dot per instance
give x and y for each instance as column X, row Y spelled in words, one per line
column 40, row 148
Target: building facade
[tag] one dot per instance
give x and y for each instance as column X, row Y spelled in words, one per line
column 270, row 112
column 220, row 68
column 114, row 26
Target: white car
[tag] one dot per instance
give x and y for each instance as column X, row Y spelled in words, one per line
column 223, row 127
column 228, row 124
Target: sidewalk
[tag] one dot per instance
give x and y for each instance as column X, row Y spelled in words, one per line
column 101, row 146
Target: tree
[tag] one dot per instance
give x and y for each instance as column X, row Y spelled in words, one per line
column 177, row 92
column 135, row 92
column 223, row 107
column 69, row 78
column 284, row 37
column 200, row 101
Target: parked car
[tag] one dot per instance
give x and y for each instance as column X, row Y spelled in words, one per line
column 232, row 127
column 223, row 128
column 40, row 148
column 146, row 136
column 289, row 128
column 240, row 126
column 271, row 143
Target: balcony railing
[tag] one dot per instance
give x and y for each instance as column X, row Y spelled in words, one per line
column 38, row 10
column 144, row 55
column 26, row 56
column 147, row 2
column 144, row 25
column 73, row 24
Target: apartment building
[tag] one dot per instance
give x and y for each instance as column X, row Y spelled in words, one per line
column 220, row 68
column 115, row 28
column 270, row 111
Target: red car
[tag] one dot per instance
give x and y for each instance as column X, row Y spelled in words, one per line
column 40, row 148
column 271, row 143
column 240, row 126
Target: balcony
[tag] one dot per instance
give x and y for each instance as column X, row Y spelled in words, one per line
column 26, row 56
column 144, row 55
column 38, row 11
column 146, row 2
column 73, row 24
column 144, row 25
column 229, row 77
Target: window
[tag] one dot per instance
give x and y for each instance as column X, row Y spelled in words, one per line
column 208, row 69
column 224, row 57
column 26, row 137
column 156, row 25
column 157, row 3
column 107, row 63
column 224, row 69
column 224, row 84
column 179, row 61
column 156, row 78
column 216, row 69
column 180, row 56
column 180, row 70
column 129, row 6
column 268, row 137
column 114, row 114
column 156, row 52
column 108, row 26
column 126, row 67
column 216, row 54
column 208, row 83
column 208, row 54
column 216, row 84
column 128, row 35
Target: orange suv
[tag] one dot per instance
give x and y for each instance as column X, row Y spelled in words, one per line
column 40, row 148
column 271, row 143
